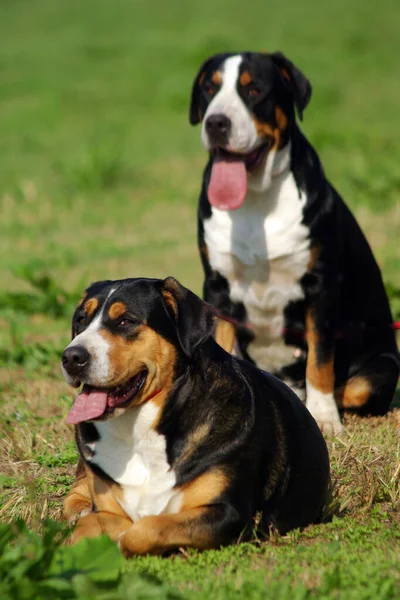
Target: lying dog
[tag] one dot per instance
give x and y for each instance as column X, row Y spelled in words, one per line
column 283, row 257
column 181, row 444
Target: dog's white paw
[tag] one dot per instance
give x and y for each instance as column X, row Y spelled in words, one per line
column 330, row 426
column 324, row 410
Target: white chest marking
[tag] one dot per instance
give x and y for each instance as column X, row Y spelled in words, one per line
column 134, row 455
column 263, row 249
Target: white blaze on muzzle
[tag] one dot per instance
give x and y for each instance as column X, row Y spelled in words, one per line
column 98, row 370
column 243, row 136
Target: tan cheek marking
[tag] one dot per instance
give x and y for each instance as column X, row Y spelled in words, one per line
column 354, row 393
column 127, row 357
column 116, row 310
column 204, row 489
column 245, row 78
column 266, row 131
column 320, row 375
column 285, row 74
column 315, row 254
column 216, row 78
column 91, row 305
column 148, row 351
column 281, row 118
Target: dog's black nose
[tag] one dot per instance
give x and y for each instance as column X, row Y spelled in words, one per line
column 218, row 126
column 74, row 359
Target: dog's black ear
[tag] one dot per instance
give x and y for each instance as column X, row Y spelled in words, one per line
column 193, row 319
column 195, row 112
column 295, row 80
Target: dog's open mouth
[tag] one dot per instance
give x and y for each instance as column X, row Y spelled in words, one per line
column 255, row 158
column 94, row 402
column 228, row 181
column 252, row 160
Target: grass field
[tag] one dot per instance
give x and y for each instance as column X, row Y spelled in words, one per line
column 99, row 176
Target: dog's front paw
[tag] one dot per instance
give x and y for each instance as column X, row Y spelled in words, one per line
column 121, row 543
column 330, row 427
column 324, row 410
column 76, row 508
column 84, row 513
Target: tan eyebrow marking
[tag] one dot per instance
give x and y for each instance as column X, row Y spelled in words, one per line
column 281, row 118
column 91, row 305
column 116, row 310
column 216, row 78
column 245, row 78
column 201, row 78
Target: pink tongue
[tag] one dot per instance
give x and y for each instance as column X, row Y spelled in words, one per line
column 89, row 404
column 228, row 184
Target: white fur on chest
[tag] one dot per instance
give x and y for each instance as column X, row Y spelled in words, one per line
column 263, row 249
column 134, row 455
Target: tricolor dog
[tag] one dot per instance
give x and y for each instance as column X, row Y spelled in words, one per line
column 283, row 257
column 181, row 444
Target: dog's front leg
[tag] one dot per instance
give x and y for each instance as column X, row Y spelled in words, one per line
column 98, row 523
column 78, row 502
column 202, row 527
column 320, row 374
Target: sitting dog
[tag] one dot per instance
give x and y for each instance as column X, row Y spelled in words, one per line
column 284, row 259
column 180, row 443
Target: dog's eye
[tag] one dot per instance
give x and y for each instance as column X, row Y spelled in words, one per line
column 210, row 88
column 126, row 322
column 252, row 91
column 79, row 324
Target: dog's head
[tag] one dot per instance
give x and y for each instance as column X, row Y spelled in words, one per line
column 127, row 338
column 246, row 103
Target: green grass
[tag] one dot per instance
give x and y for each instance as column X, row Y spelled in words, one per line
column 99, row 177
